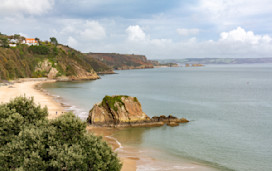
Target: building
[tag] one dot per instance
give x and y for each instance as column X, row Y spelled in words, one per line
column 13, row 41
column 30, row 41
column 12, row 45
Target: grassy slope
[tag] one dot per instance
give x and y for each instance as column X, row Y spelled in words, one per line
column 20, row 62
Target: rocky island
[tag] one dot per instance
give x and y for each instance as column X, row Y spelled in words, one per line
column 126, row 111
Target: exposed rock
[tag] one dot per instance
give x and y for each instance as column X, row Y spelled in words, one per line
column 44, row 65
column 183, row 120
column 125, row 111
column 52, row 73
column 172, row 124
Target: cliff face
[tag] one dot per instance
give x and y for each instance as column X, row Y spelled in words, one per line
column 46, row 60
column 122, row 61
column 125, row 111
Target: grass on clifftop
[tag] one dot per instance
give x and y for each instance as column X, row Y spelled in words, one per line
column 111, row 100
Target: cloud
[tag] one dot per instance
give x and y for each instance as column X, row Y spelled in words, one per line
column 135, row 33
column 187, row 32
column 240, row 35
column 233, row 12
column 93, row 31
column 33, row 7
column 72, row 42
column 77, row 32
column 234, row 43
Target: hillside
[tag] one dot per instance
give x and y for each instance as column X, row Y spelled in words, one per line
column 46, row 60
column 122, row 61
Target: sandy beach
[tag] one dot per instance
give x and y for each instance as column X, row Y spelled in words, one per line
column 55, row 109
column 28, row 89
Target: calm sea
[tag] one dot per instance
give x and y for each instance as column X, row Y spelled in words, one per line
column 229, row 106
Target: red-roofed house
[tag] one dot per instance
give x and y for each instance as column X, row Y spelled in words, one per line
column 30, row 41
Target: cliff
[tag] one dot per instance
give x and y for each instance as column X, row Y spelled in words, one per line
column 46, row 60
column 122, row 61
column 126, row 111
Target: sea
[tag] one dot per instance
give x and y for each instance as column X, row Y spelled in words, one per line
column 229, row 108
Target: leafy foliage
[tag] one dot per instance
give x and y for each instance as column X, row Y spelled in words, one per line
column 29, row 141
column 53, row 40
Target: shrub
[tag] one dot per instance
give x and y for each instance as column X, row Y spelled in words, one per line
column 29, row 141
column 42, row 50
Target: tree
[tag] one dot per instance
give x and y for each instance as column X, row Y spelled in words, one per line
column 16, row 36
column 53, row 40
column 4, row 42
column 29, row 141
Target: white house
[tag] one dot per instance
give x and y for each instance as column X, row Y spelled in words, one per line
column 12, row 45
column 30, row 41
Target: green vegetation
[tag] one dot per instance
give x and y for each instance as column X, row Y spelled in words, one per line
column 42, row 50
column 29, row 141
column 4, row 41
column 135, row 99
column 22, row 61
column 111, row 100
column 53, row 40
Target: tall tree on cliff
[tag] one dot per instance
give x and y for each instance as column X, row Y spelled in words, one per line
column 53, row 40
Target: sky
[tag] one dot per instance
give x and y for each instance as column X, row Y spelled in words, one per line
column 159, row 29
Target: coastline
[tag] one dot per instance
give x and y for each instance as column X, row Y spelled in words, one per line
column 32, row 88
column 131, row 157
column 28, row 89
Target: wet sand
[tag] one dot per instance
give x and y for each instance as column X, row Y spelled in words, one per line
column 129, row 163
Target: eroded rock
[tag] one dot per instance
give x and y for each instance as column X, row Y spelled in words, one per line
column 125, row 111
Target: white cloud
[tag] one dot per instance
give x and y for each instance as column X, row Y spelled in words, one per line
column 234, row 43
column 232, row 12
column 34, row 7
column 81, row 34
column 72, row 42
column 23, row 34
column 93, row 31
column 240, row 35
column 187, row 32
column 135, row 33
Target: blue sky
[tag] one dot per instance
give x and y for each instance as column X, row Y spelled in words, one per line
column 159, row 29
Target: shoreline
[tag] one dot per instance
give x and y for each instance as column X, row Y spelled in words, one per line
column 32, row 88
column 131, row 157
column 28, row 89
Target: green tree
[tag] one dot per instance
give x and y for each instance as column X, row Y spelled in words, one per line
column 16, row 36
column 53, row 40
column 4, row 42
column 29, row 141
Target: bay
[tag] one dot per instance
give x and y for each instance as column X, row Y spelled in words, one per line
column 229, row 106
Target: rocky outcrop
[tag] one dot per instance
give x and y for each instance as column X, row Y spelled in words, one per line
column 126, row 111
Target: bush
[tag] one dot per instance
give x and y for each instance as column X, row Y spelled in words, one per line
column 41, row 50
column 29, row 141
